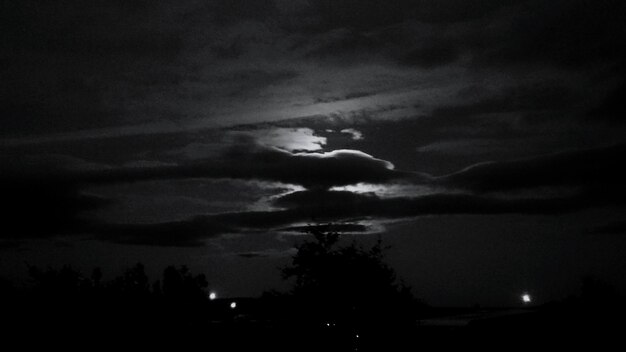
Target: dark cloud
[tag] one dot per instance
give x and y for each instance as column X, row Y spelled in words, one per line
column 432, row 55
column 613, row 228
column 73, row 66
column 323, row 200
column 338, row 208
column 67, row 65
column 54, row 193
column 333, row 227
column 272, row 252
column 427, row 34
column 571, row 181
column 374, row 13
column 195, row 231
column 564, row 33
column 251, row 255
column 407, row 44
column 185, row 233
column 38, row 207
column 40, row 210
column 10, row 245
column 95, row 28
column 341, row 204
column 611, row 109
column 553, row 184
column 598, row 170
column 232, row 11
column 522, row 98
column 593, row 174
column 246, row 81
column 250, row 161
column 353, row 95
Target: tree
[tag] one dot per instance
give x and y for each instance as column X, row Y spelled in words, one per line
column 349, row 286
column 180, row 284
column 184, row 296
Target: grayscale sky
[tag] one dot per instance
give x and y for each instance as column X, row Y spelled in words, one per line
column 483, row 141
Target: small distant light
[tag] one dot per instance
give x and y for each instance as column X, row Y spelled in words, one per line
column 327, row 324
column 357, row 336
column 233, row 305
column 526, row 298
column 212, row 296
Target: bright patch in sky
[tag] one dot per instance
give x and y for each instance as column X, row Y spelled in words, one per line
column 265, row 203
column 388, row 191
column 291, row 139
column 356, row 135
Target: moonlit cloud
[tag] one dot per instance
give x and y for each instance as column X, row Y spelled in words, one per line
column 290, row 139
column 356, row 135
column 389, row 190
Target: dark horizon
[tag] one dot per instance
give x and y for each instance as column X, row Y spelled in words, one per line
column 483, row 141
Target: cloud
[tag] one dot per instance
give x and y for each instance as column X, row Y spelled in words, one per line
column 364, row 15
column 76, row 66
column 193, row 232
column 40, row 210
column 613, row 228
column 330, row 210
column 355, row 134
column 7, row 245
column 462, row 146
column 520, row 98
column 322, row 205
column 591, row 178
column 432, row 55
column 250, row 255
column 564, row 34
column 54, row 192
column 268, row 253
column 289, row 139
column 349, row 96
column 73, row 64
column 548, row 184
column 34, row 206
column 333, row 227
column 103, row 69
column 611, row 109
column 597, row 170
column 226, row 11
column 185, row 233
column 250, row 161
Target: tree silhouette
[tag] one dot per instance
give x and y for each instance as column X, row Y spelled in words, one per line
column 184, row 296
column 63, row 301
column 349, row 288
column 181, row 284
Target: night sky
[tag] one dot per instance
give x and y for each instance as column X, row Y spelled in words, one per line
column 483, row 141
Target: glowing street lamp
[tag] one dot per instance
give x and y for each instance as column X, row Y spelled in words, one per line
column 526, row 298
column 212, row 296
column 233, row 305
